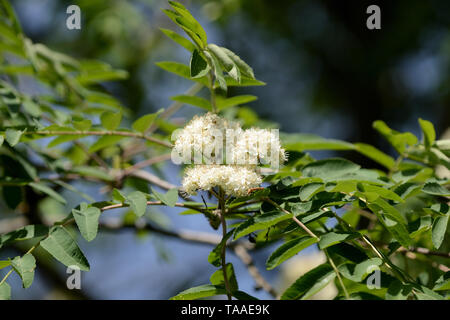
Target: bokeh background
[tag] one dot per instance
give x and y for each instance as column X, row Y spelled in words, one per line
column 326, row 74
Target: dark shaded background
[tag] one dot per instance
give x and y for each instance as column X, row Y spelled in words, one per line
column 326, row 74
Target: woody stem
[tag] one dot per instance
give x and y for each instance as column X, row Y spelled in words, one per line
column 224, row 247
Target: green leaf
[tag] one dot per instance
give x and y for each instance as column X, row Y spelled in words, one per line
column 259, row 222
column 199, row 67
column 310, row 189
column 288, row 250
column 25, row 233
column 13, row 136
column 310, row 283
column 194, row 100
column 39, row 186
column 436, row 189
column 96, row 76
column 413, row 174
column 438, row 230
column 185, row 43
column 118, row 196
column 398, row 140
column 389, row 210
column 360, row 296
column 437, row 156
column 443, row 283
column 87, row 221
column 240, row 295
column 348, row 252
column 429, row 134
column 419, row 226
column 111, row 120
column 82, row 125
column 407, row 190
column 398, row 291
column 225, row 61
column 217, row 278
column 145, row 122
column 218, row 72
column 427, row 294
column 187, row 25
column 12, row 195
column 383, row 192
column 376, row 155
column 332, row 238
column 234, row 101
column 95, row 172
column 387, row 216
column 31, row 107
column 442, row 208
column 443, row 144
column 214, row 256
column 5, row 291
column 25, row 266
column 15, row 24
column 4, row 264
column 305, row 141
column 358, row 272
column 245, row 69
column 63, row 248
column 329, row 169
column 191, row 23
column 169, row 198
column 310, row 217
column 1, row 140
column 137, row 202
column 245, row 82
column 62, row 139
column 181, row 70
column 103, row 142
column 206, row 290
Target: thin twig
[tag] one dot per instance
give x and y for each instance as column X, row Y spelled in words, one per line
column 336, row 271
column 185, row 235
column 245, row 257
column 213, row 93
column 94, row 156
column 146, row 163
column 145, row 175
column 386, row 260
column 101, row 133
column 301, row 224
column 420, row 250
column 222, row 208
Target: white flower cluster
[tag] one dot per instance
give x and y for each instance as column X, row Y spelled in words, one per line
column 211, row 139
column 200, row 135
column 257, row 146
column 224, row 154
column 234, row 180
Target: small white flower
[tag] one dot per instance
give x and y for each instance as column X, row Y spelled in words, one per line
column 225, row 155
column 234, row 180
column 210, row 139
column 203, row 139
column 258, row 146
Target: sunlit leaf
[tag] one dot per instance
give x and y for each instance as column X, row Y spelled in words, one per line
column 63, row 248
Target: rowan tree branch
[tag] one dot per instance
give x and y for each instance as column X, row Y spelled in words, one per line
column 185, row 235
column 146, row 163
column 100, row 133
column 242, row 253
column 147, row 176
